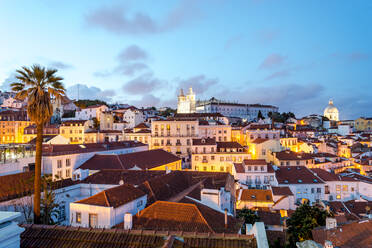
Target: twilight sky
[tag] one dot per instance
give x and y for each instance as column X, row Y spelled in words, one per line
column 293, row 54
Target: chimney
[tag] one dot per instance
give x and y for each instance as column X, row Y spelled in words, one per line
column 128, row 221
column 225, row 218
column 331, row 223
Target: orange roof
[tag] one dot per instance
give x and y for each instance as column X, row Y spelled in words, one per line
column 254, row 195
column 188, row 216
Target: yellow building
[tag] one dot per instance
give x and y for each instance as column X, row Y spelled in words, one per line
column 363, row 124
column 12, row 125
column 74, row 130
column 262, row 148
column 290, row 143
column 209, row 155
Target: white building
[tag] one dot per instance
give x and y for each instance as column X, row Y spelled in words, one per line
column 245, row 111
column 186, row 104
column 254, row 173
column 302, row 182
column 107, row 208
column 91, row 112
column 133, row 117
column 331, row 112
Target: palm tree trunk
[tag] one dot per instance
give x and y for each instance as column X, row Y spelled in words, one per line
column 39, row 142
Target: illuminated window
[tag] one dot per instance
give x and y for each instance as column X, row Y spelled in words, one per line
column 222, row 168
column 338, row 196
column 78, row 217
column 344, row 188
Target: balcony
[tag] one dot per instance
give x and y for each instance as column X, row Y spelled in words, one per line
column 205, row 161
column 168, row 144
column 156, row 144
column 178, row 144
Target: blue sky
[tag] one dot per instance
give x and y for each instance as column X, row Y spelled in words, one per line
column 294, row 54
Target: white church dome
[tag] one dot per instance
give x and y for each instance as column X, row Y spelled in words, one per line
column 331, row 112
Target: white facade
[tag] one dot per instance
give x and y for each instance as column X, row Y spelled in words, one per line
column 248, row 112
column 133, row 117
column 106, row 217
column 91, row 112
column 331, row 112
column 312, row 192
column 186, row 104
column 341, row 190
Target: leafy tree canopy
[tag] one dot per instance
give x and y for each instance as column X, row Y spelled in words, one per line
column 303, row 220
column 86, row 103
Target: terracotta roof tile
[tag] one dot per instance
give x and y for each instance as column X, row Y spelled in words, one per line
column 143, row 160
column 296, row 175
column 254, row 195
column 187, row 216
column 290, row 155
column 281, row 191
column 355, row 234
column 114, row 197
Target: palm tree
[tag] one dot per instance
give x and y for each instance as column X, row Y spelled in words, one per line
column 38, row 86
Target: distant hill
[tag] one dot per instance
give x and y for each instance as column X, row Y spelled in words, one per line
column 87, row 103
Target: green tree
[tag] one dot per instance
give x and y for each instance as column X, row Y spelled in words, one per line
column 50, row 213
column 249, row 217
column 260, row 116
column 38, row 85
column 303, row 220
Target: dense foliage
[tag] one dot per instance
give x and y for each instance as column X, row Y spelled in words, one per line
column 302, row 221
column 249, row 217
column 281, row 117
column 86, row 103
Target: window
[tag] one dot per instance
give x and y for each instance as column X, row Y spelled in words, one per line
column 139, row 203
column 344, row 188
column 338, row 187
column 213, row 168
column 221, row 159
column 204, row 168
column 62, row 213
column 262, row 168
column 287, row 163
column 212, row 157
column 196, row 158
column 298, row 162
column 59, row 174
column 249, row 168
column 59, row 164
column 255, row 168
column 312, row 190
column 221, row 168
column 68, row 173
column 78, row 217
column 93, row 220
column 263, row 152
column 68, row 162
column 318, row 190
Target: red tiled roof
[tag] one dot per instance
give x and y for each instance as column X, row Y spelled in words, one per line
column 254, row 195
column 290, row 155
column 141, row 126
column 254, row 162
column 133, row 177
column 143, row 160
column 114, row 197
column 296, row 175
column 67, row 236
column 239, row 168
column 229, row 144
column 355, row 234
column 187, row 216
column 270, row 218
column 281, row 190
column 328, row 176
column 57, row 150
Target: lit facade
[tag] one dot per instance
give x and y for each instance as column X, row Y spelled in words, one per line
column 186, row 104
column 331, row 112
column 12, row 125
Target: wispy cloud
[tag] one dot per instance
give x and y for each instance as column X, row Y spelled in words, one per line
column 233, row 41
column 118, row 20
column 143, row 84
column 83, row 91
column 60, row 65
column 272, row 61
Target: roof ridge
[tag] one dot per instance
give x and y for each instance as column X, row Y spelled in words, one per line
column 106, row 198
column 121, row 164
column 198, row 210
